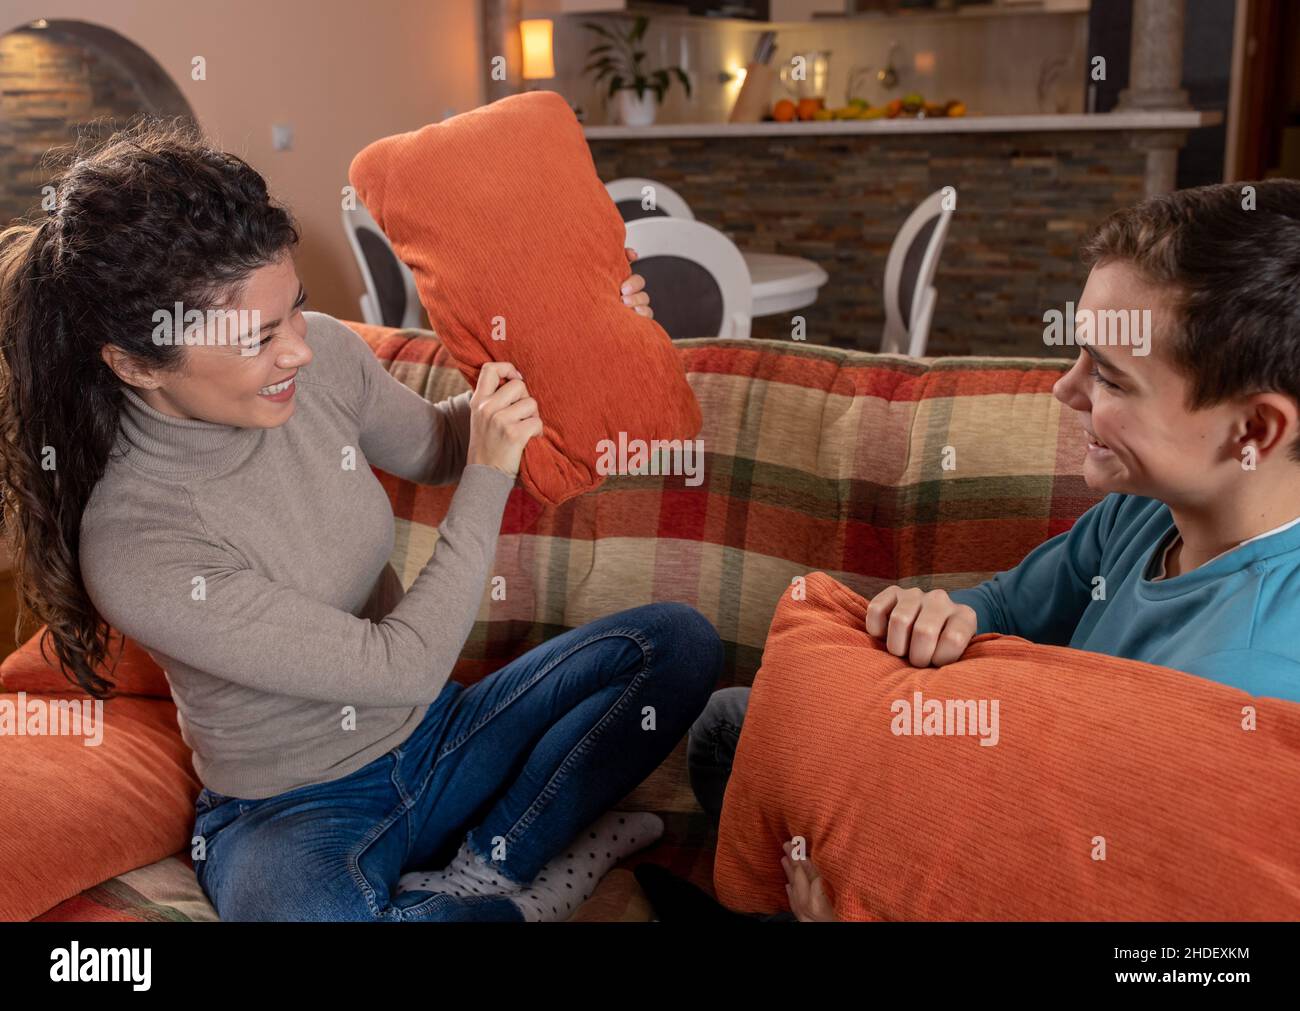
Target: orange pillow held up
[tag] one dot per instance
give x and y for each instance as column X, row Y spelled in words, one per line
column 517, row 252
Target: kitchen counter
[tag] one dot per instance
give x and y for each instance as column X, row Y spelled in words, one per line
column 1144, row 120
column 1028, row 189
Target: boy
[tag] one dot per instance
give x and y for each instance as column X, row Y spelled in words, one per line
column 1196, row 443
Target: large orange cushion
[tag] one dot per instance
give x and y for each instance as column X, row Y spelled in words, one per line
column 1199, row 817
column 503, row 220
column 136, row 673
column 73, row 815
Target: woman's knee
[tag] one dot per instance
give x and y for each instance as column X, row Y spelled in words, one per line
column 684, row 633
column 685, row 647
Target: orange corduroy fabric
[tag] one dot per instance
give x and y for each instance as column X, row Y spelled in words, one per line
column 510, row 234
column 136, row 673
column 74, row 814
column 1198, row 816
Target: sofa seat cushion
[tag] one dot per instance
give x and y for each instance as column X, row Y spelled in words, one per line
column 79, row 808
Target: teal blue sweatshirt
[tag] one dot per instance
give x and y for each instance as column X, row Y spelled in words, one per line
column 1235, row 619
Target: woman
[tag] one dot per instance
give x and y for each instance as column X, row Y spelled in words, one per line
column 209, row 494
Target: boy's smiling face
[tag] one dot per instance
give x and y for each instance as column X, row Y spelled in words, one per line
column 1142, row 439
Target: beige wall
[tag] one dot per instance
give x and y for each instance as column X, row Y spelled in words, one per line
column 342, row 72
column 994, row 64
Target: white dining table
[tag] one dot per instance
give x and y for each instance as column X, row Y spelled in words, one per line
column 782, row 283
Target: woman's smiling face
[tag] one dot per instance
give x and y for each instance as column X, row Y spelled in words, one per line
column 235, row 380
column 1142, row 439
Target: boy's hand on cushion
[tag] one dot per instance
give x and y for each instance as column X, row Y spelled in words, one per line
column 808, row 899
column 926, row 628
column 503, row 417
column 633, row 294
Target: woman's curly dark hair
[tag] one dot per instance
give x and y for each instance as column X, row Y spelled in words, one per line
column 149, row 216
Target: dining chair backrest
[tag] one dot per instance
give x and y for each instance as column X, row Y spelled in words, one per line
column 644, row 198
column 910, row 295
column 698, row 282
column 390, row 298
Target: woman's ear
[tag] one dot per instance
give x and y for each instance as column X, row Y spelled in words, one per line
column 124, row 366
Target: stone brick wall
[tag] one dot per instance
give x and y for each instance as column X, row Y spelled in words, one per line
column 1023, row 203
column 59, row 83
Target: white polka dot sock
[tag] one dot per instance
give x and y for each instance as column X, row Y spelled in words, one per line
column 573, row 874
column 467, row 874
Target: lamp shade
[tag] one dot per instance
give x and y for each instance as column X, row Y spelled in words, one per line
column 539, row 59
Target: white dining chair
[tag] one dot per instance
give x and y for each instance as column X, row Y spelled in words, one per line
column 698, row 283
column 631, row 194
column 390, row 298
column 781, row 283
column 910, row 294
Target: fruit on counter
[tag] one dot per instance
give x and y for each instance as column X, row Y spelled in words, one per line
column 911, row 106
column 857, row 109
column 915, row 106
column 808, row 107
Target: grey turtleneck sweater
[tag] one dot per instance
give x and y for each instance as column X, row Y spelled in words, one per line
column 252, row 564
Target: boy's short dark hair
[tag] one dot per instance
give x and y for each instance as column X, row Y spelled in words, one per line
column 1227, row 257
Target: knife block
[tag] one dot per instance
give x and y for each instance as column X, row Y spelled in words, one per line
column 755, row 98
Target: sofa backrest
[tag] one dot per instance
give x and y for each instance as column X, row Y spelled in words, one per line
column 873, row 468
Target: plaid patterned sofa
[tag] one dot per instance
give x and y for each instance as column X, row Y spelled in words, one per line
column 873, row 468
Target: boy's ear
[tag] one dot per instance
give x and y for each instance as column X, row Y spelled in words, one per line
column 1272, row 422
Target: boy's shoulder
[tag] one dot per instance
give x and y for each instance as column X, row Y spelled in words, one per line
column 1120, row 515
column 1135, row 508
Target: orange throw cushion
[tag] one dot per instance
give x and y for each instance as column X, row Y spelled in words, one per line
column 1095, row 756
column 74, row 814
column 26, row 670
column 510, row 234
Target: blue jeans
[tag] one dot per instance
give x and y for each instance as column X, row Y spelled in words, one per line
column 522, row 761
column 711, row 747
column 710, row 752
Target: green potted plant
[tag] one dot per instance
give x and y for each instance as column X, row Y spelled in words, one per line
column 619, row 59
